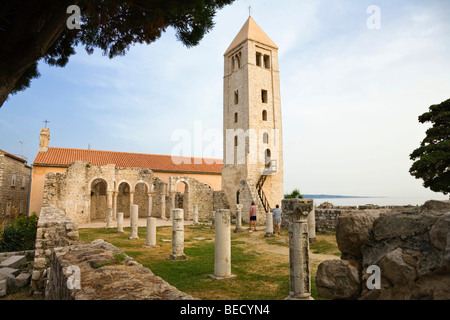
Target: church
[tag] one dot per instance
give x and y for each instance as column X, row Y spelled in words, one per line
column 93, row 184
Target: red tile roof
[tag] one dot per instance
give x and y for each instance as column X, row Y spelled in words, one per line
column 158, row 163
column 13, row 156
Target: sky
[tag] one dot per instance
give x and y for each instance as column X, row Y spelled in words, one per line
column 353, row 83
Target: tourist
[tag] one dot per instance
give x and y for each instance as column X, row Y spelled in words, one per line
column 253, row 209
column 277, row 218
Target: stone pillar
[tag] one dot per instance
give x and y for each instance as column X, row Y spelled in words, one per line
column 195, row 214
column 299, row 275
column 134, row 222
column 238, row 218
column 163, row 206
column 269, row 225
column 150, row 203
column 172, row 205
column 151, row 233
column 109, row 208
column 131, row 202
column 120, row 222
column 178, row 235
column 222, row 249
column 115, row 194
column 312, row 225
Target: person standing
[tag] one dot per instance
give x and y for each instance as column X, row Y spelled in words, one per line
column 253, row 210
column 277, row 213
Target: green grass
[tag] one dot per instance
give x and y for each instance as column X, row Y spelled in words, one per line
column 259, row 275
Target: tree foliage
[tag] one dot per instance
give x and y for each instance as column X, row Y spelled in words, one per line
column 432, row 158
column 32, row 30
column 295, row 194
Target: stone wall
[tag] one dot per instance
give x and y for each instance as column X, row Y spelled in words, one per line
column 104, row 273
column 54, row 229
column 411, row 248
column 13, row 195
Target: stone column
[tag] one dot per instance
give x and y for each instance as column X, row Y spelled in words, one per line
column 131, row 202
column 150, row 203
column 269, row 225
column 151, row 233
column 115, row 194
column 120, row 222
column 195, row 214
column 109, row 209
column 134, row 222
column 312, row 225
column 178, row 235
column 238, row 218
column 299, row 275
column 163, row 206
column 172, row 204
column 222, row 249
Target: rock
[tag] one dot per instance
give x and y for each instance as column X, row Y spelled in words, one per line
column 411, row 246
column 396, row 270
column 22, row 280
column 440, row 231
column 338, row 279
column 353, row 231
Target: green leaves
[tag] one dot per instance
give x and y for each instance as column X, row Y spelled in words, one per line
column 433, row 156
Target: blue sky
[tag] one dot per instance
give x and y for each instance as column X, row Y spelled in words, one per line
column 350, row 96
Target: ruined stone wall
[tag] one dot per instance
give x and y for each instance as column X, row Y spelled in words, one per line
column 13, row 196
column 105, row 273
column 54, row 229
column 72, row 192
column 410, row 246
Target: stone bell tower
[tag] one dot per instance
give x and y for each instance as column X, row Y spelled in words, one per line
column 252, row 131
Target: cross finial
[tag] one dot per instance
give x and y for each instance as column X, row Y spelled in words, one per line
column 46, row 121
column 89, row 146
column 249, row 11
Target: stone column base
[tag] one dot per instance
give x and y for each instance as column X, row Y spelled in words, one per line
column 222, row 278
column 177, row 256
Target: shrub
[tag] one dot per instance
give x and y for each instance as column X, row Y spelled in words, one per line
column 20, row 235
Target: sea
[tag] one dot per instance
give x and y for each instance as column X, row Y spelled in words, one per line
column 379, row 201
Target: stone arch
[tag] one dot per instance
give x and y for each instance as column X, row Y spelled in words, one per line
column 98, row 188
column 183, row 201
column 124, row 197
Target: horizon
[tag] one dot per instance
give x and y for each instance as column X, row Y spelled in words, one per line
column 350, row 95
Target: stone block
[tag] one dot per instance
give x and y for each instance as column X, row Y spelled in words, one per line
column 22, row 280
column 13, row 262
column 14, row 272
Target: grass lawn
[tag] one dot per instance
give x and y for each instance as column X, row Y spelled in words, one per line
column 260, row 264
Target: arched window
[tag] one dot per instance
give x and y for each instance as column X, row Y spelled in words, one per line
column 264, row 115
column 237, row 197
column 235, row 141
column 265, row 137
column 236, row 118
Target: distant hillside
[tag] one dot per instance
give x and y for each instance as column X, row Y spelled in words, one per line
column 330, row 196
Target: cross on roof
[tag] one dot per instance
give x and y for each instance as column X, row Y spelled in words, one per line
column 249, row 11
column 46, row 121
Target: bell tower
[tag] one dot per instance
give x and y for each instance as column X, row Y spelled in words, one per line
column 252, row 130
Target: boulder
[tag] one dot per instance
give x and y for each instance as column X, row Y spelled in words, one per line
column 410, row 246
column 338, row 279
column 353, row 231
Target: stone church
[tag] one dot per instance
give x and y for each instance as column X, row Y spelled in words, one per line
column 92, row 184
